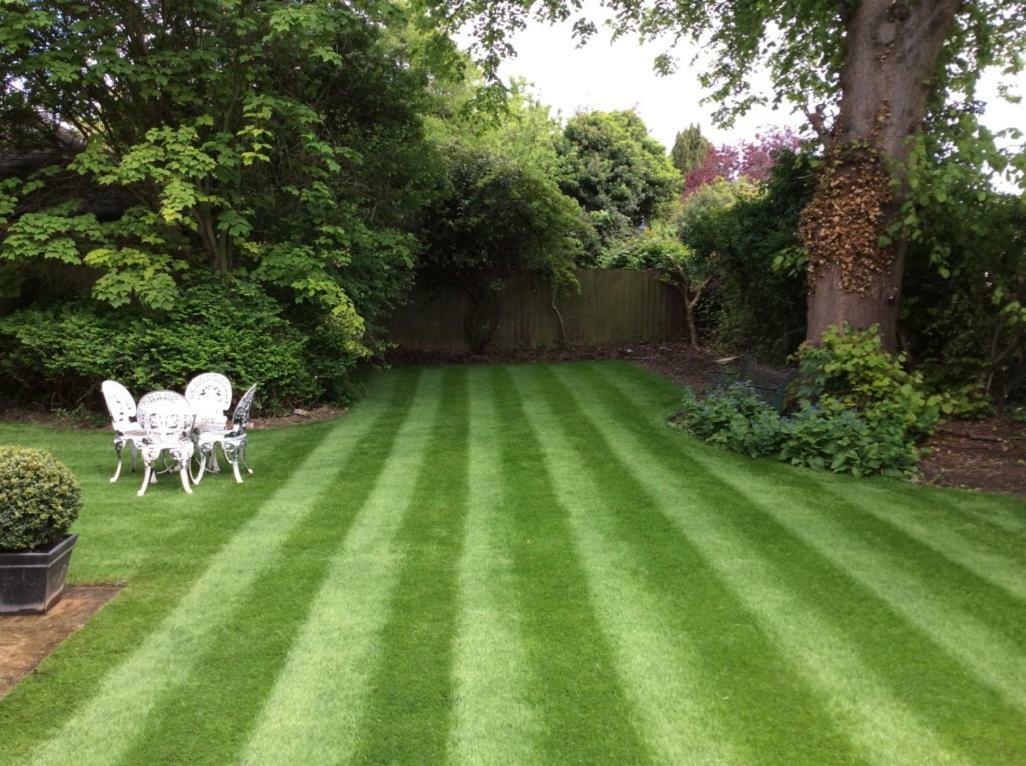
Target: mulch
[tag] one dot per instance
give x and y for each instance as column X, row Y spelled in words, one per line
column 979, row 454
column 27, row 639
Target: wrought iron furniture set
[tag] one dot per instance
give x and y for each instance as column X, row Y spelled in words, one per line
column 172, row 432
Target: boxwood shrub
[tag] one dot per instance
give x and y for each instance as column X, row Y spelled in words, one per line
column 39, row 499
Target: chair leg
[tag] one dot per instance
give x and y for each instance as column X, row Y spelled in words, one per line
column 147, row 474
column 235, row 467
column 117, row 470
column 245, row 460
column 202, row 462
column 184, row 473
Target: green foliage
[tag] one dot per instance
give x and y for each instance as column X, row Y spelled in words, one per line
column 852, row 367
column 689, row 149
column 747, row 235
column 963, row 310
column 521, row 128
column 612, row 167
column 231, row 326
column 831, row 435
column 197, row 137
column 654, row 248
column 734, row 418
column 857, row 411
column 39, row 498
column 827, row 435
column 492, row 219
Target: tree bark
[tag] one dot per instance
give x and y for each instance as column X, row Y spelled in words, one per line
column 892, row 52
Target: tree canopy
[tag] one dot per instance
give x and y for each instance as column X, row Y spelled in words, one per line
column 888, row 86
column 614, row 168
column 689, row 149
column 153, row 139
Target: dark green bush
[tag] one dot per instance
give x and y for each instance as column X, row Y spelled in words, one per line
column 748, row 234
column 852, row 366
column 830, row 435
column 39, row 498
column 62, row 352
column 733, row 418
column 858, row 411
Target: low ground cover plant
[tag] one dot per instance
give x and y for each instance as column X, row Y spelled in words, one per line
column 40, row 498
column 854, row 409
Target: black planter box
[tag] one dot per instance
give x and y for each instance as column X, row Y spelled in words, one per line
column 32, row 581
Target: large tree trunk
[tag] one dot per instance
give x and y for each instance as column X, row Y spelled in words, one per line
column 892, row 53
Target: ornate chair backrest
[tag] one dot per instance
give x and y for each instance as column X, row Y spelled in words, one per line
column 166, row 417
column 210, row 395
column 120, row 404
column 240, row 417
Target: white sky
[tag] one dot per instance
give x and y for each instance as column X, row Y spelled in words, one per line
column 610, row 75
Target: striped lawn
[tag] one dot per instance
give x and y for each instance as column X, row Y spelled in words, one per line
column 524, row 565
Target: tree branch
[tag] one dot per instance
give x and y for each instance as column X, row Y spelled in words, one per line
column 817, row 119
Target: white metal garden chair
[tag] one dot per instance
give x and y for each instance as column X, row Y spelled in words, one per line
column 127, row 430
column 210, row 395
column 233, row 440
column 167, row 420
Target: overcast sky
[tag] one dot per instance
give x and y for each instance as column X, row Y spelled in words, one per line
column 618, row 75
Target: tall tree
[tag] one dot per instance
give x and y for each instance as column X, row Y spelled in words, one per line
column 614, row 167
column 872, row 77
column 150, row 140
column 752, row 160
column 689, row 149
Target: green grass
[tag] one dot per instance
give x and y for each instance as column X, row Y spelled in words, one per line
column 523, row 564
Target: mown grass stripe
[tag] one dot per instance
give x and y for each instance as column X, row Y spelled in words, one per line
column 932, row 515
column 586, row 714
column 696, row 669
column 768, row 570
column 316, row 709
column 920, row 671
column 839, row 537
column 152, row 564
column 660, row 397
column 207, row 718
column 975, row 621
column 495, row 721
column 999, row 565
column 409, row 711
column 102, row 730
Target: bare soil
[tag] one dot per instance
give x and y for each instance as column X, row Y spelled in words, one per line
column 978, row 454
column 27, row 639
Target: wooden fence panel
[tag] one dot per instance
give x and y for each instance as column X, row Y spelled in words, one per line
column 614, row 306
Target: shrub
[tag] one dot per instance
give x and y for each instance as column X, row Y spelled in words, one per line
column 733, row 418
column 852, row 366
column 653, row 249
column 858, row 411
column 830, row 435
column 747, row 232
column 232, row 326
column 39, row 498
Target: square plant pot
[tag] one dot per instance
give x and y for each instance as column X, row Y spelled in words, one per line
column 32, row 581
